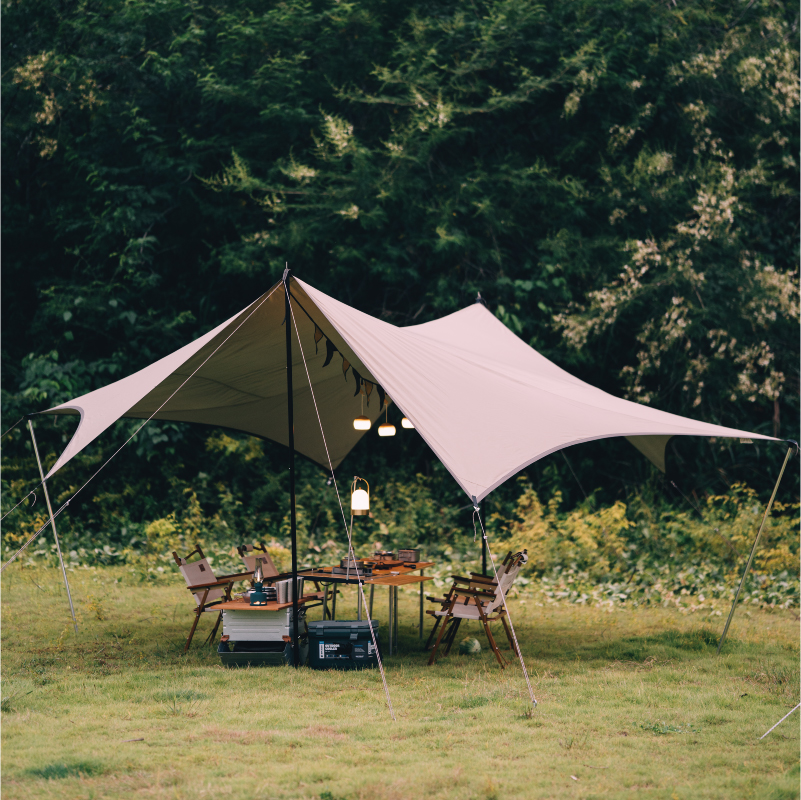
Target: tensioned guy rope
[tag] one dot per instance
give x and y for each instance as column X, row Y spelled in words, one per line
column 477, row 513
column 105, row 464
column 351, row 553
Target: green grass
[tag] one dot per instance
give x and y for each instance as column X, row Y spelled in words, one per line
column 632, row 703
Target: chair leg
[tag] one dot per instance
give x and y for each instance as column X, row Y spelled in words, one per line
column 433, row 632
column 446, row 636
column 433, row 656
column 210, row 638
column 452, row 635
column 198, row 612
column 494, row 646
column 509, row 636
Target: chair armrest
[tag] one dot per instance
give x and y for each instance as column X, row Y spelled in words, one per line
column 237, row 576
column 214, row 585
column 436, row 599
column 478, row 577
column 473, row 593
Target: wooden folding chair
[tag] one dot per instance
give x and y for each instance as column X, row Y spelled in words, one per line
column 477, row 580
column 483, row 605
column 207, row 589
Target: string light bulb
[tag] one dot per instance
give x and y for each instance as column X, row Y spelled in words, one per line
column 386, row 429
column 362, row 423
column 359, row 498
column 407, row 423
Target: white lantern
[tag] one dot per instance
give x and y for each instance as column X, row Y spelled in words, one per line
column 386, row 429
column 362, row 423
column 407, row 423
column 359, row 498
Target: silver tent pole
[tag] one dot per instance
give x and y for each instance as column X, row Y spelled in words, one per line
column 53, row 524
column 753, row 549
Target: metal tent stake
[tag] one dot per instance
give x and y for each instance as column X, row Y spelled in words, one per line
column 53, row 524
column 292, row 520
column 753, row 549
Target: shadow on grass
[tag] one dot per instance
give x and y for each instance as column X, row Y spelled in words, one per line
column 60, row 770
column 675, row 643
column 601, row 646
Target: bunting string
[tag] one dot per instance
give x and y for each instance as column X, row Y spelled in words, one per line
column 363, row 386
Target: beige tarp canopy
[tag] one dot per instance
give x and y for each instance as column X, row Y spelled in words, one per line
column 486, row 403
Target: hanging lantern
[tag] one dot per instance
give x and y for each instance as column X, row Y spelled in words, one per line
column 385, row 429
column 362, row 423
column 407, row 423
column 359, row 498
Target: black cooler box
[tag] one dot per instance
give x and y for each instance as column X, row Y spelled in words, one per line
column 342, row 644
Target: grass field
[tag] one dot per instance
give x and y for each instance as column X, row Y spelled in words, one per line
column 632, row 703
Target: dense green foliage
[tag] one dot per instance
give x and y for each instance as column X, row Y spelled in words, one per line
column 618, row 180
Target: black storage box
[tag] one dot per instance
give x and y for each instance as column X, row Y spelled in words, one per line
column 342, row 644
column 259, row 654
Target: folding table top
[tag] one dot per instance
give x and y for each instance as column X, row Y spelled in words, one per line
column 378, row 578
column 244, row 605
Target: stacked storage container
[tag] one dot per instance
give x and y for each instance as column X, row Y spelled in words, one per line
column 257, row 637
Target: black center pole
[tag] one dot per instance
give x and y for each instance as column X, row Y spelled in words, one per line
column 292, row 520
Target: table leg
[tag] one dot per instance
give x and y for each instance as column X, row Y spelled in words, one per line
column 334, row 602
column 358, row 603
column 422, row 572
column 372, row 591
column 325, row 601
column 395, row 632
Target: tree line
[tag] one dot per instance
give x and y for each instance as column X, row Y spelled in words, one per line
column 618, row 180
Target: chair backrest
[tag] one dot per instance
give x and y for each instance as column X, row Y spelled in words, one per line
column 199, row 573
column 504, row 585
column 252, row 558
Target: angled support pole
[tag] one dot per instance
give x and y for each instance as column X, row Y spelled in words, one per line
column 480, row 301
column 53, row 523
column 755, row 545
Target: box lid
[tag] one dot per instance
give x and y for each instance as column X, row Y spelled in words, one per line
column 341, row 627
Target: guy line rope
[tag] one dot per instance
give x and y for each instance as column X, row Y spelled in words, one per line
column 105, row 464
column 342, row 510
column 477, row 513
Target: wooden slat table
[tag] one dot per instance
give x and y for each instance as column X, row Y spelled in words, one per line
column 400, row 575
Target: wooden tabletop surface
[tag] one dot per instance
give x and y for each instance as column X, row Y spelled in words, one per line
column 327, row 574
column 244, row 605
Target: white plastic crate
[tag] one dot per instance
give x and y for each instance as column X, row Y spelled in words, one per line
column 258, row 626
